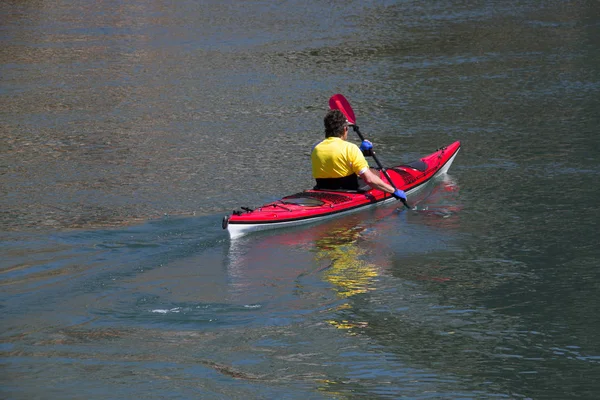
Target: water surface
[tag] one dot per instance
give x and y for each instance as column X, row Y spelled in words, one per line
column 128, row 129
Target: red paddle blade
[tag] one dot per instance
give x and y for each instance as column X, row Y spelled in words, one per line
column 339, row 102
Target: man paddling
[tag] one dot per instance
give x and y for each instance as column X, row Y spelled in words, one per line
column 337, row 164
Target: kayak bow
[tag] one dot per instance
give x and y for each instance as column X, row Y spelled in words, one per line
column 315, row 205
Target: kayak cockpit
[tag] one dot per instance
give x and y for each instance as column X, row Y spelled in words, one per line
column 315, row 198
column 303, row 201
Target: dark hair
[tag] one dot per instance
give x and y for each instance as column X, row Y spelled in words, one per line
column 334, row 122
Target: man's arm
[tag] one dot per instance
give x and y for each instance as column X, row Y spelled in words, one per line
column 375, row 182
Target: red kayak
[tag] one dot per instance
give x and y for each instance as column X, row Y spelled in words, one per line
column 317, row 205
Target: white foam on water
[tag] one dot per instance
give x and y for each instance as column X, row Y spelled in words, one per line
column 162, row 311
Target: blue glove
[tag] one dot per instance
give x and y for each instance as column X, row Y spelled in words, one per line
column 399, row 194
column 367, row 148
column 366, row 145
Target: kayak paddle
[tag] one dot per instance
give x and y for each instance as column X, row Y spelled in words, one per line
column 339, row 102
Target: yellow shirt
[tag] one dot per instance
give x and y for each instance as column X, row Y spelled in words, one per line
column 336, row 158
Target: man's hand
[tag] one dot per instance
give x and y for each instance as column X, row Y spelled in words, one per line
column 367, row 148
column 399, row 194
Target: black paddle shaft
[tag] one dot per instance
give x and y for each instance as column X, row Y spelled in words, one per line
column 362, row 138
